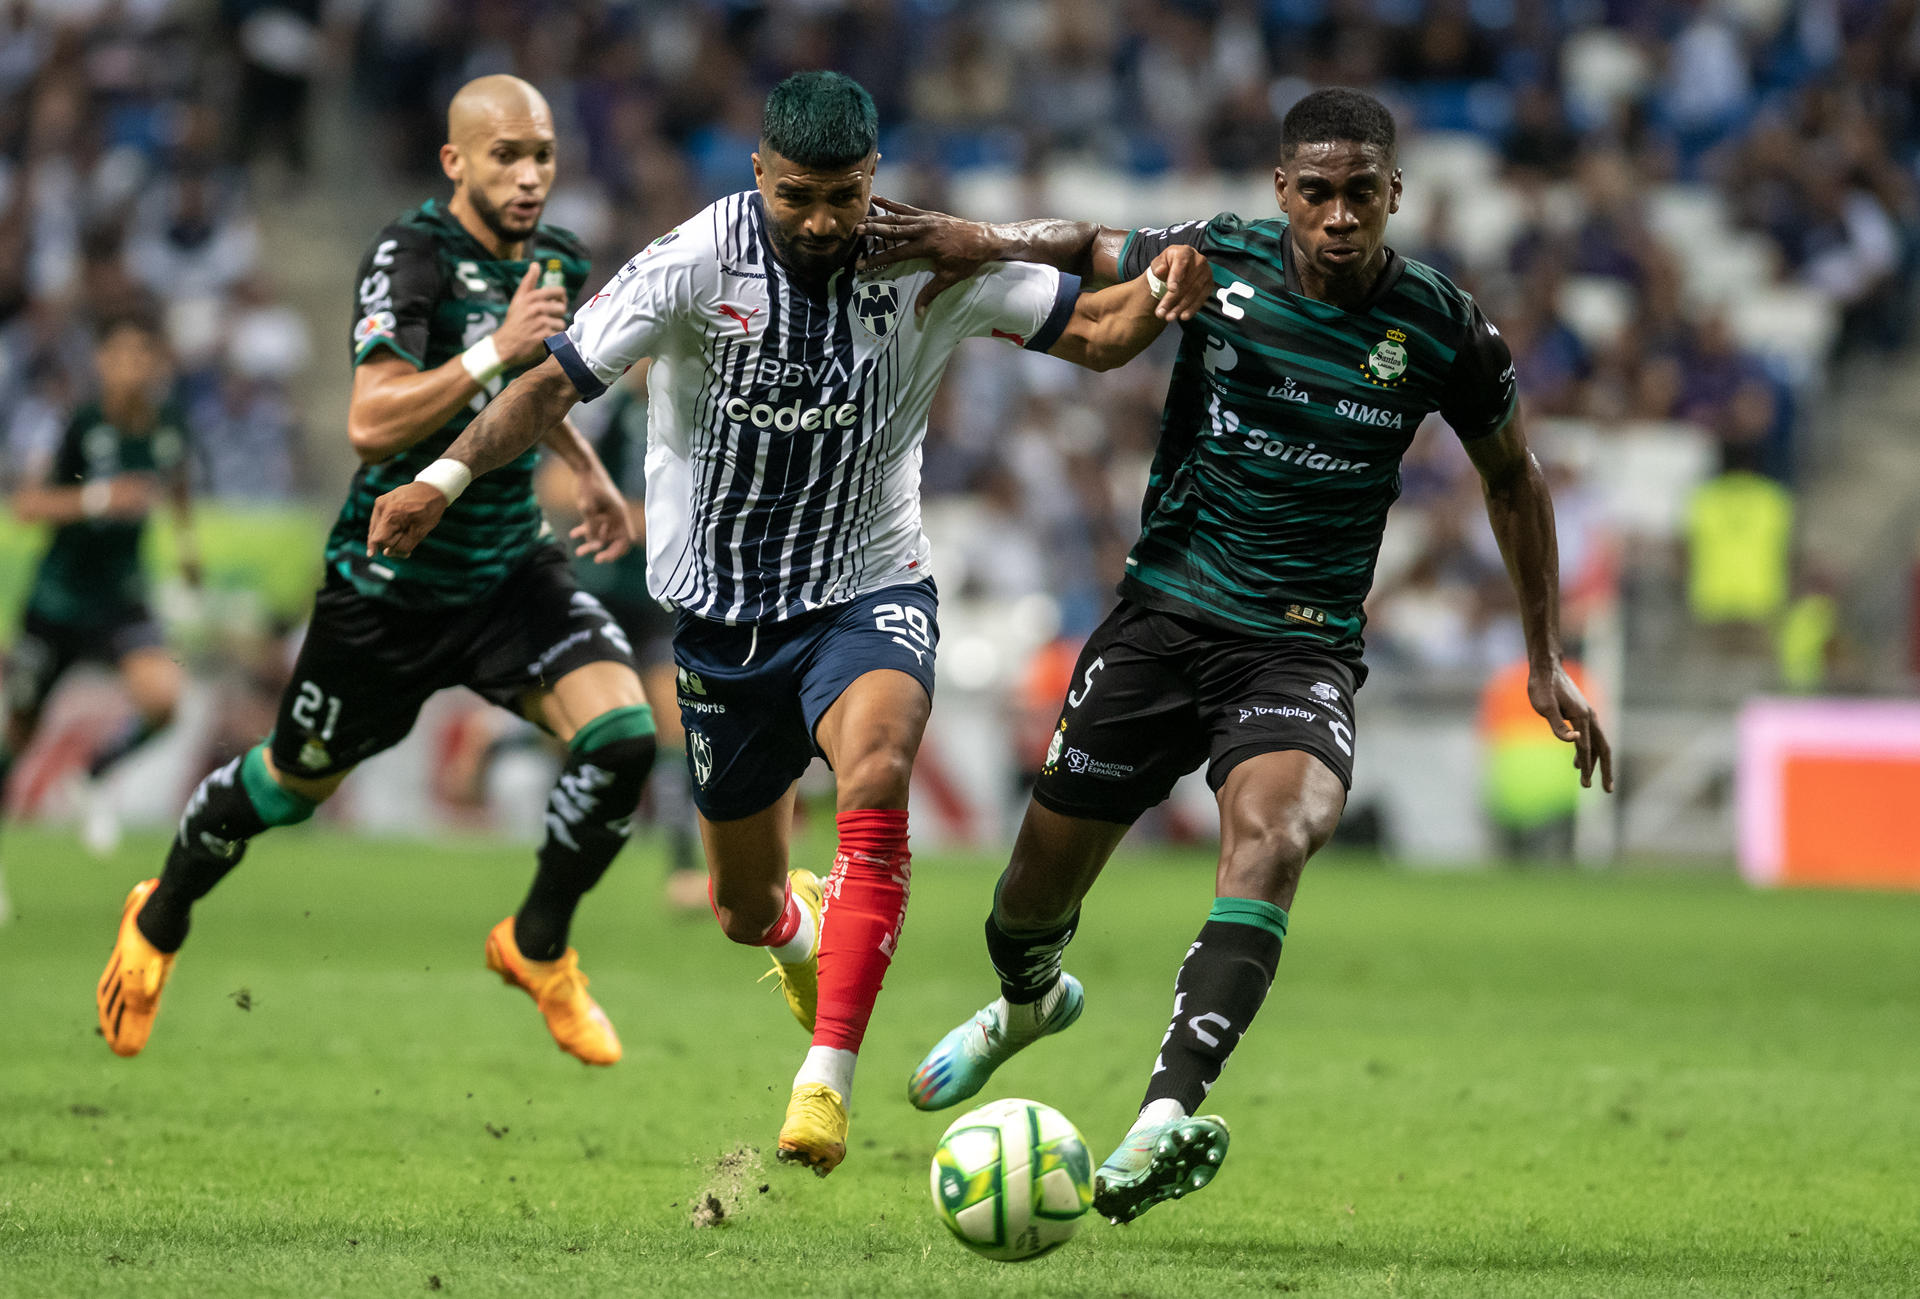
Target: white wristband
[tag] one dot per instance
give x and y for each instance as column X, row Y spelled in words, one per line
column 483, row 362
column 450, row 476
column 1156, row 287
column 95, row 497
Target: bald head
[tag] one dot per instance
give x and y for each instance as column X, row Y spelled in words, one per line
column 499, row 155
column 486, row 106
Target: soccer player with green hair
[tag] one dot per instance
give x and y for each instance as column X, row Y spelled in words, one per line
column 1237, row 640
column 453, row 299
column 787, row 404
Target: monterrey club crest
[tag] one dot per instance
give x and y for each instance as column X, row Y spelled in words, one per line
column 877, row 306
column 1387, row 362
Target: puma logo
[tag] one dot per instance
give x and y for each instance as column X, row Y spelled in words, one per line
column 727, row 309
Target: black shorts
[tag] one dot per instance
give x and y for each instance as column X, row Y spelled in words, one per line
column 1156, row 694
column 368, row 665
column 45, row 650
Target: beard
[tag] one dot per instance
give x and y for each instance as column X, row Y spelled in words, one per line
column 810, row 263
column 496, row 220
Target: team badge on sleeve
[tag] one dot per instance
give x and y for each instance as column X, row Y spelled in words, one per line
column 877, row 306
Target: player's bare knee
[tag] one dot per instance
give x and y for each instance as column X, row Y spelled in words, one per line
column 877, row 779
column 1265, row 860
column 747, row 919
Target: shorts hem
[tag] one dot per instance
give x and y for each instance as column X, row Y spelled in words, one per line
column 1223, row 764
column 1060, row 807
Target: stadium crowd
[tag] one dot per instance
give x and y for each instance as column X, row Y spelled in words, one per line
column 1683, row 217
column 1791, row 126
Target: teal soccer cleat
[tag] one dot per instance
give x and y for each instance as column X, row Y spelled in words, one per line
column 1161, row 1162
column 962, row 1061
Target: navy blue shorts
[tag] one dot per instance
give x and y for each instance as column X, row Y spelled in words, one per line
column 751, row 696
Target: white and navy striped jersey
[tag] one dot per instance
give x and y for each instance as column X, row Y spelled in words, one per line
column 785, row 421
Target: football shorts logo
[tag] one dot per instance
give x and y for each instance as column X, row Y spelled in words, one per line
column 1387, row 362
column 699, row 758
column 877, row 306
column 1053, row 749
column 1325, row 693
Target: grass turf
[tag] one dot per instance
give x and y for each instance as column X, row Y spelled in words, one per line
column 1547, row 1084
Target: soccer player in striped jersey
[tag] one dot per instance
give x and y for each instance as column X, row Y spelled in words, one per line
column 454, row 299
column 1237, row 642
column 788, row 402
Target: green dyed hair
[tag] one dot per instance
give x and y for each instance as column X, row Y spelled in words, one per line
column 820, row 119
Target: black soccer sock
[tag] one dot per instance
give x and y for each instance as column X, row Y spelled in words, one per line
column 1027, row 960
column 1221, row 985
column 134, row 734
column 589, row 816
column 231, row 806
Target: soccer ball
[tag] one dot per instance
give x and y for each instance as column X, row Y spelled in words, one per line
column 1012, row 1179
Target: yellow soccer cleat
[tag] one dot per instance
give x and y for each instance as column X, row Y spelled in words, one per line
column 576, row 1021
column 815, row 1133
column 129, row 991
column 801, row 983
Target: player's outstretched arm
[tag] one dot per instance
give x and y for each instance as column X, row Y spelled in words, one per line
column 1521, row 512
column 512, row 422
column 1111, row 327
column 958, row 248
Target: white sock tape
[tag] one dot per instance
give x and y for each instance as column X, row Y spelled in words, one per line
column 450, row 476
column 483, row 362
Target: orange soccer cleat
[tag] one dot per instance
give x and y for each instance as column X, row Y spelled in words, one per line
column 576, row 1021
column 129, row 992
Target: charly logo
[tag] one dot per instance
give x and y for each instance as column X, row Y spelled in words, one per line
column 877, row 306
column 1387, row 362
column 1325, row 693
column 691, row 683
column 700, row 758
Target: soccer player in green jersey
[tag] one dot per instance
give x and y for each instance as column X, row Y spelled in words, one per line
column 453, row 300
column 122, row 453
column 1237, row 638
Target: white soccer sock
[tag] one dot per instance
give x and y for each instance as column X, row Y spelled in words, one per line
column 1165, row 1110
column 830, row 1065
column 797, row 949
column 1023, row 1020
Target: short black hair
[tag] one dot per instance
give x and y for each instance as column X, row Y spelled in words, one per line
column 820, row 119
column 1337, row 114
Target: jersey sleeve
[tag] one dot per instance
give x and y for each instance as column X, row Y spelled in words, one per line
column 1143, row 245
column 1026, row 304
column 629, row 317
column 398, row 285
column 1480, row 390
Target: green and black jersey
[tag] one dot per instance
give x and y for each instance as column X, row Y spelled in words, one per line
column 1285, row 423
column 91, row 574
column 426, row 292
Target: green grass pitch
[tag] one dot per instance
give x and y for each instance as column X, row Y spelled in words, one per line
column 1479, row 1084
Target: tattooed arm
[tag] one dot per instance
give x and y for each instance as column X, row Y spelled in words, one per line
column 529, row 411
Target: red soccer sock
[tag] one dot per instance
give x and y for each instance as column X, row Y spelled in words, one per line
column 866, row 905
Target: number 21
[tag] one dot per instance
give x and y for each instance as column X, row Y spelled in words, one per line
column 306, row 710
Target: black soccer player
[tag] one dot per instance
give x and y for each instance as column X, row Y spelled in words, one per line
column 1237, row 639
column 122, row 454
column 453, row 299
